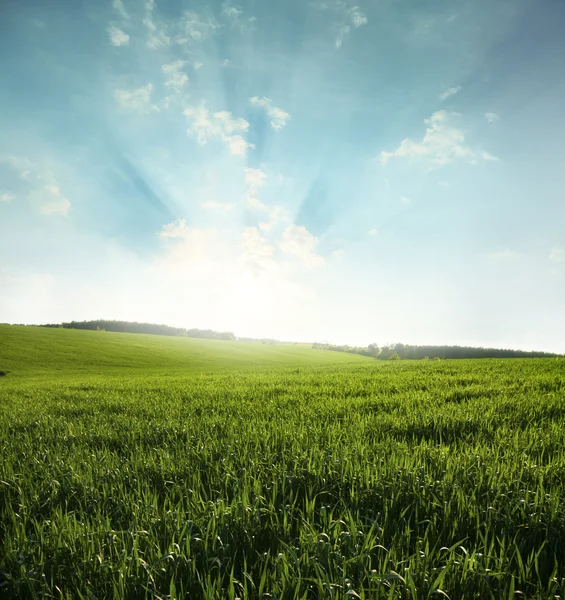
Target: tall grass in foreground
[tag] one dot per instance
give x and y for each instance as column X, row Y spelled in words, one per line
column 406, row 480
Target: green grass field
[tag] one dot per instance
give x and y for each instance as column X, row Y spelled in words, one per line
column 45, row 352
column 148, row 467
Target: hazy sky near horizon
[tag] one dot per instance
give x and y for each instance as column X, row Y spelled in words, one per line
column 350, row 171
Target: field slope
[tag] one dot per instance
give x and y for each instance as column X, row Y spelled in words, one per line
column 136, row 467
column 29, row 350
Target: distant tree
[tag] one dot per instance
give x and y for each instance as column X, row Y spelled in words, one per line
column 148, row 328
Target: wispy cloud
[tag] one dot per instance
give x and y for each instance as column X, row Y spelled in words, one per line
column 204, row 126
column 279, row 117
column 120, row 9
column 221, row 207
column 258, row 253
column 196, row 28
column 557, row 253
column 298, row 241
column 117, row 36
column 41, row 183
column 231, row 12
column 372, row 231
column 276, row 215
column 443, row 143
column 157, row 35
column 450, row 92
column 22, row 165
column 137, row 100
column 175, row 229
column 255, row 179
column 176, row 78
column 234, row 16
column 492, row 117
column 6, row 197
column 405, row 201
column 347, row 17
column 505, row 255
column 52, row 201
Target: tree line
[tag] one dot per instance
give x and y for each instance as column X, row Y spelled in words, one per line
column 412, row 352
column 150, row 328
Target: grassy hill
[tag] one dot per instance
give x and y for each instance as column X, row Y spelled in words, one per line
column 142, row 467
column 35, row 350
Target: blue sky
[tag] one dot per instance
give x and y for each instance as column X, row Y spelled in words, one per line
column 356, row 172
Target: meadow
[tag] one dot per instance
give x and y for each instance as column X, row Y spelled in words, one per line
column 135, row 466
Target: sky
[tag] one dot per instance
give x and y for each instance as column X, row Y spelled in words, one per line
column 364, row 171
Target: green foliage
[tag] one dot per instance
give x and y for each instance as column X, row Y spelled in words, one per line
column 393, row 479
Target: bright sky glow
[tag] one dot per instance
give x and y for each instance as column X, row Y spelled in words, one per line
column 353, row 172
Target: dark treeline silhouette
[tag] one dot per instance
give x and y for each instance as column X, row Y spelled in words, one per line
column 407, row 351
column 151, row 328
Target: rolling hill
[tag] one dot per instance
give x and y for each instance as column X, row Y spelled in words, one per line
column 35, row 350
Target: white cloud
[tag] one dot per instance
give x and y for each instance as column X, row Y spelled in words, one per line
column 255, row 178
column 492, row 117
column 205, row 126
column 117, row 36
column 404, row 200
column 202, row 124
column 197, row 257
column 157, row 36
column 231, row 12
column 346, row 18
column 298, row 241
column 254, row 203
column 238, row 280
column 175, row 229
column 120, row 8
column 372, row 231
column 195, row 28
column 258, row 253
column 52, row 201
column 275, row 216
column 25, row 168
column 234, row 16
column 342, row 33
column 230, row 124
column 279, row 117
column 450, row 92
column 176, row 78
column 443, row 143
column 557, row 253
column 42, row 189
column 238, row 145
column 357, row 17
column 503, row 255
column 138, row 100
column 221, row 207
